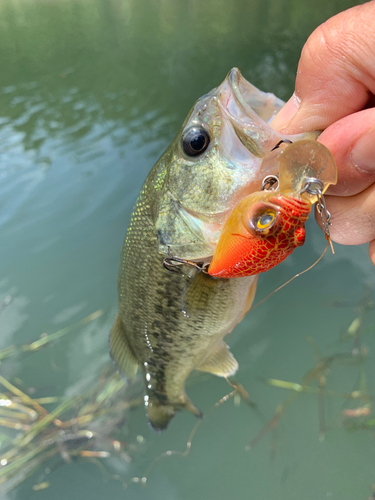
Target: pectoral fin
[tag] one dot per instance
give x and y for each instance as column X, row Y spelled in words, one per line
column 121, row 351
column 250, row 298
column 220, row 362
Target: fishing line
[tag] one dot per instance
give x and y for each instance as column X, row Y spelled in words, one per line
column 326, row 222
column 329, row 243
column 143, row 480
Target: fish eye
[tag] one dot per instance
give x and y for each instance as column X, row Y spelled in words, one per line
column 195, row 141
column 266, row 220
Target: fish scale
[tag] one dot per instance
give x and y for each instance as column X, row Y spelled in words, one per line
column 197, row 319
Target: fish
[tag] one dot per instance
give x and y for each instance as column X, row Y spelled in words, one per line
column 265, row 227
column 171, row 323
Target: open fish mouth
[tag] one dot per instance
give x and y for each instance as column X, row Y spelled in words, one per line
column 247, row 99
column 249, row 111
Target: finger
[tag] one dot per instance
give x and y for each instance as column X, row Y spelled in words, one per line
column 353, row 217
column 336, row 73
column 352, row 143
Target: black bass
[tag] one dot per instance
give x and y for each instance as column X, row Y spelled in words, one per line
column 168, row 323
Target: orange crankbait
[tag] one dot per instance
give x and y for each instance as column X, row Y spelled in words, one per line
column 266, row 226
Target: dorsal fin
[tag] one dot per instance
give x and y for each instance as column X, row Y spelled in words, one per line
column 220, row 362
column 120, row 350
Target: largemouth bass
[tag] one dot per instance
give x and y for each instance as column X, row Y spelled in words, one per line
column 265, row 227
column 168, row 323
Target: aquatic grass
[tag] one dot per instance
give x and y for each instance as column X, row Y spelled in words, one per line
column 83, row 426
column 293, row 386
column 355, row 419
column 65, row 431
column 68, row 431
column 46, row 339
column 26, row 400
column 44, row 422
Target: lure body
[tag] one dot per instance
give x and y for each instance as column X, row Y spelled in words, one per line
column 260, row 233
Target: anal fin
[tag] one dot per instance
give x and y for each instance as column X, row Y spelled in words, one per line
column 220, row 362
column 120, row 350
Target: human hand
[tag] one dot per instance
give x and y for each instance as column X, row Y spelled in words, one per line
column 335, row 92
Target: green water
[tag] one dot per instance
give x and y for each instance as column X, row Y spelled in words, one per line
column 91, row 93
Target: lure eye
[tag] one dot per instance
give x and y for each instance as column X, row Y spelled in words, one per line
column 266, row 220
column 260, row 218
column 195, row 141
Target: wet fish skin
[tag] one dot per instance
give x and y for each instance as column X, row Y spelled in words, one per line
column 169, row 324
column 169, row 321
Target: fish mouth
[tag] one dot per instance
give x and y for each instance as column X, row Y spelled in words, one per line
column 249, row 111
column 247, row 97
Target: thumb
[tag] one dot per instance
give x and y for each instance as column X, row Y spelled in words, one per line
column 336, row 72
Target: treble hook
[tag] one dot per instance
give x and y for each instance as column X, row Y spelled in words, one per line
column 280, row 142
column 269, row 181
column 315, row 187
column 169, row 263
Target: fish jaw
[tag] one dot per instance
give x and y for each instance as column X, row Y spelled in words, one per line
column 243, row 250
column 236, row 99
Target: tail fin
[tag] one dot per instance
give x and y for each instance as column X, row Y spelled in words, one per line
column 160, row 412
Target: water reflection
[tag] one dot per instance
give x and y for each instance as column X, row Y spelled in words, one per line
column 67, row 66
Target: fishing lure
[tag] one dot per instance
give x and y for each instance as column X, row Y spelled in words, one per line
column 266, row 226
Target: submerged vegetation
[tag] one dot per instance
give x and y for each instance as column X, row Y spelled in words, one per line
column 357, row 403
column 88, row 426
column 51, row 431
column 85, row 426
column 348, row 351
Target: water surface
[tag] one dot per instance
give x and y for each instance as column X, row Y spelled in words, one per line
column 91, row 93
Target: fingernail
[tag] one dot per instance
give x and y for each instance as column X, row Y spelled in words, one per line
column 285, row 115
column 363, row 152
